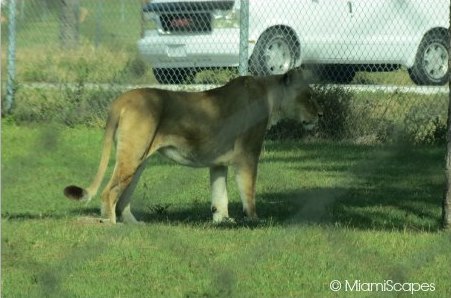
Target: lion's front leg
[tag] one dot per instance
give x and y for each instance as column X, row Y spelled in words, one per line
column 219, row 201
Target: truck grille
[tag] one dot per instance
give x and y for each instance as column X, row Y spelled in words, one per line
column 186, row 22
column 187, row 16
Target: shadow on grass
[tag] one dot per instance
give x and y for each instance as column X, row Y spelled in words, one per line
column 20, row 216
column 385, row 209
column 351, row 208
column 391, row 188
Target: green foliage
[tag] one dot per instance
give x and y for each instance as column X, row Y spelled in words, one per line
column 337, row 107
column 71, row 105
column 136, row 67
column 88, row 64
column 424, row 128
column 286, row 130
column 216, row 76
column 400, row 77
column 346, row 118
column 357, row 117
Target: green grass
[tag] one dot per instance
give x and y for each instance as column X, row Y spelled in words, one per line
column 328, row 211
column 107, row 49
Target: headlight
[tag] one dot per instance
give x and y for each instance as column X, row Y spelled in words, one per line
column 226, row 18
column 150, row 21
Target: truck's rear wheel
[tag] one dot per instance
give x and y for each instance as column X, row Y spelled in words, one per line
column 274, row 53
column 431, row 61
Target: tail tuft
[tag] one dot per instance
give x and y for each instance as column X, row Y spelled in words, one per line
column 75, row 193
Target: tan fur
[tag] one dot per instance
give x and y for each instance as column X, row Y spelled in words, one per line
column 216, row 128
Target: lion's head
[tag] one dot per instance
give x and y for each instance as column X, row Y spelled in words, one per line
column 299, row 103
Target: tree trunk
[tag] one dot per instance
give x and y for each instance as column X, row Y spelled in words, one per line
column 446, row 212
column 69, row 23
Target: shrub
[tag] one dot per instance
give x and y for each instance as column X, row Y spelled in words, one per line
column 70, row 105
column 336, row 104
column 93, row 64
column 215, row 76
column 365, row 118
column 286, row 129
column 425, row 128
column 347, row 117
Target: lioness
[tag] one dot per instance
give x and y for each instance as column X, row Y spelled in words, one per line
column 217, row 128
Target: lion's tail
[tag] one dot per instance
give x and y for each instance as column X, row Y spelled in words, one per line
column 80, row 194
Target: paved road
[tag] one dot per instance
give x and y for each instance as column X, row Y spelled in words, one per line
column 355, row 88
column 397, row 89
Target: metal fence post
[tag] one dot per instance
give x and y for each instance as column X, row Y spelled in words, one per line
column 98, row 24
column 446, row 203
column 244, row 37
column 11, row 63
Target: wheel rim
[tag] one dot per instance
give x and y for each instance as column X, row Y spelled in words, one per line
column 278, row 56
column 435, row 61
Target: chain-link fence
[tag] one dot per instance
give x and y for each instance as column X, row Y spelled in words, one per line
column 379, row 67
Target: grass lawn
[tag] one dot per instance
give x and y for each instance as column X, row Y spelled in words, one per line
column 328, row 212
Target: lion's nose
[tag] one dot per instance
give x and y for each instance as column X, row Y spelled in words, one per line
column 320, row 114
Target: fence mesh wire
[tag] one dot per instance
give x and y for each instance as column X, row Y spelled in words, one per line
column 378, row 67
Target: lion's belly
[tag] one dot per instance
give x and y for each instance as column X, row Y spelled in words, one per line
column 195, row 159
column 179, row 156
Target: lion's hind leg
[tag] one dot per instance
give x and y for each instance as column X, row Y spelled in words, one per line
column 117, row 194
column 120, row 181
column 134, row 139
column 123, row 205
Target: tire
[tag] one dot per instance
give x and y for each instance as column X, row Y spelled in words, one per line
column 431, row 61
column 274, row 53
column 174, row 75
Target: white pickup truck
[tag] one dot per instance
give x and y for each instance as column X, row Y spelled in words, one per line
column 342, row 36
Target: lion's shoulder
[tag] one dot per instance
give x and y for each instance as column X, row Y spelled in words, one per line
column 241, row 88
column 245, row 81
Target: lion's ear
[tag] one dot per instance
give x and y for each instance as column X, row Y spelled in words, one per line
column 292, row 75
